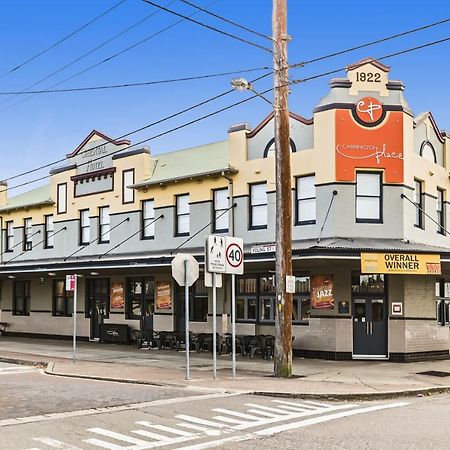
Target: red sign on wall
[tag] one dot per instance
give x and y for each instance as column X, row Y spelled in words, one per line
column 369, row 138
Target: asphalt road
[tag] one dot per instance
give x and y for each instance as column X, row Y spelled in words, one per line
column 45, row 412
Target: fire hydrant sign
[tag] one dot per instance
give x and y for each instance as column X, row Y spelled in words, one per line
column 225, row 255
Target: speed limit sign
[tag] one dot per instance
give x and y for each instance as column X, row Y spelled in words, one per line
column 234, row 255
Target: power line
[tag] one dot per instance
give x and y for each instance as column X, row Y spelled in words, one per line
column 105, row 60
column 145, row 83
column 84, row 55
column 152, row 124
column 293, row 82
column 227, row 20
column 171, row 130
column 42, row 52
column 368, row 44
column 402, row 52
column 209, row 27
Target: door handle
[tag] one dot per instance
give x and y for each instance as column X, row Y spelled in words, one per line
column 367, row 328
column 371, row 328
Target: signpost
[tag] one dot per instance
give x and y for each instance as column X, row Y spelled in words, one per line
column 185, row 270
column 71, row 285
column 224, row 254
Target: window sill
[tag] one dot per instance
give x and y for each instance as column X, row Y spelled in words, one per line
column 181, row 234
column 306, row 222
column 147, row 238
column 374, row 221
column 258, row 227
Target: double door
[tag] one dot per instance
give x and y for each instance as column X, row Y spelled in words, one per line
column 369, row 327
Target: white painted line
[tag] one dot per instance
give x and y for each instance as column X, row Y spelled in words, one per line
column 315, row 420
column 322, row 405
column 236, row 414
column 110, row 409
column 103, row 444
column 282, row 418
column 217, row 443
column 297, row 405
column 55, row 443
column 191, row 426
column 149, row 434
column 267, row 408
column 164, row 428
column 229, row 420
column 262, row 413
column 292, row 408
column 117, row 436
column 199, row 421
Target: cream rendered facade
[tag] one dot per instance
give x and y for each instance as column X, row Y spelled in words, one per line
column 329, row 244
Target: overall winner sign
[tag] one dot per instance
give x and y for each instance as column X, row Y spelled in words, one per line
column 401, row 263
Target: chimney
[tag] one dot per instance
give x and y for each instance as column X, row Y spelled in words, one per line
column 3, row 193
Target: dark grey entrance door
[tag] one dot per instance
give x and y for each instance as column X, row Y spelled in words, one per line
column 369, row 327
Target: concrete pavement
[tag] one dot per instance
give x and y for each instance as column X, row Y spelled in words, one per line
column 312, row 377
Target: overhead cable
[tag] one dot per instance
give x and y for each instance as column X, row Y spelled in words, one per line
column 73, row 33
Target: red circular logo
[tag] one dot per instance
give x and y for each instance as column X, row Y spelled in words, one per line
column 369, row 110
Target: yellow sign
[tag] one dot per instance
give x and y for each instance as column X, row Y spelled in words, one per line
column 401, row 263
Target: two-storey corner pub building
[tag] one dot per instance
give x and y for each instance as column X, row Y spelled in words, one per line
column 371, row 249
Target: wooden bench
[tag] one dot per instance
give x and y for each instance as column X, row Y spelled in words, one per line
column 3, row 326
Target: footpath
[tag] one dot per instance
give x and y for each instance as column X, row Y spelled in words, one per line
column 340, row 380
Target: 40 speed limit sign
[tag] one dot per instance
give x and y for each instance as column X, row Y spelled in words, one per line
column 234, row 256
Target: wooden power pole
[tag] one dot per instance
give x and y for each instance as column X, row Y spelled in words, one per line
column 283, row 311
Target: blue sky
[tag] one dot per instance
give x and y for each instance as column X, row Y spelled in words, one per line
column 46, row 127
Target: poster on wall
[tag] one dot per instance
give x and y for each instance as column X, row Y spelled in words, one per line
column 163, row 295
column 322, row 296
column 117, row 297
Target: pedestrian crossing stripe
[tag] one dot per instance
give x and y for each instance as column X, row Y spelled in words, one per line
column 220, row 429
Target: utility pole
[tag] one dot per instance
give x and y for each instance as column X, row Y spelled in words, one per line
column 283, row 235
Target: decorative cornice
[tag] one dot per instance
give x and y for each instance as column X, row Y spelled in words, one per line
column 101, row 135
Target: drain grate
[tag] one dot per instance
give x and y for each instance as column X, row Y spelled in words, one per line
column 435, row 373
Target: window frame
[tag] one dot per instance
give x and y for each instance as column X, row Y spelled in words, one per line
column 218, row 211
column 60, row 210
column 418, row 213
column 441, row 212
column 379, row 197
column 9, row 238
column 102, row 225
column 299, row 200
column 83, row 227
column 142, row 297
column 251, row 207
column 49, row 232
column 126, row 189
column 144, row 228
column 27, row 238
column 25, row 311
column 67, row 296
column 178, row 215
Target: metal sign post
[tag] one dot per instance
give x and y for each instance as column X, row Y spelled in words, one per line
column 186, row 315
column 224, row 255
column 214, row 342
column 71, row 286
column 185, row 270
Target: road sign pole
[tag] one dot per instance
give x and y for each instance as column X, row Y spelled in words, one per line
column 214, row 343
column 74, row 315
column 186, row 316
column 233, row 322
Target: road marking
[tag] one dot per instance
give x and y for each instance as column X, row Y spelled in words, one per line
column 191, row 426
column 267, row 408
column 197, row 420
column 236, row 414
column 16, row 370
column 307, row 422
column 165, row 428
column 109, row 409
column 262, row 413
column 55, row 443
column 322, row 405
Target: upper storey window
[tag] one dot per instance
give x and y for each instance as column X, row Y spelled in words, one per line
column 419, row 204
column 221, row 210
column 105, row 224
column 306, row 200
column 427, row 151
column 368, row 197
column 258, row 206
column 182, row 211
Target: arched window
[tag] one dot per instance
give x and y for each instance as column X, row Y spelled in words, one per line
column 269, row 151
column 427, row 151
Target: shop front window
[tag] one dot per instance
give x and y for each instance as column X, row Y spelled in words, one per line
column 140, row 295
column 198, row 302
column 368, row 284
column 443, row 302
column 62, row 300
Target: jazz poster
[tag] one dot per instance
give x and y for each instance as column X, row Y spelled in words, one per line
column 163, row 295
column 117, row 296
column 322, row 295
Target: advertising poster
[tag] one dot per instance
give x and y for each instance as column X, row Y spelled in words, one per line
column 401, row 263
column 117, row 296
column 163, row 295
column 322, row 296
